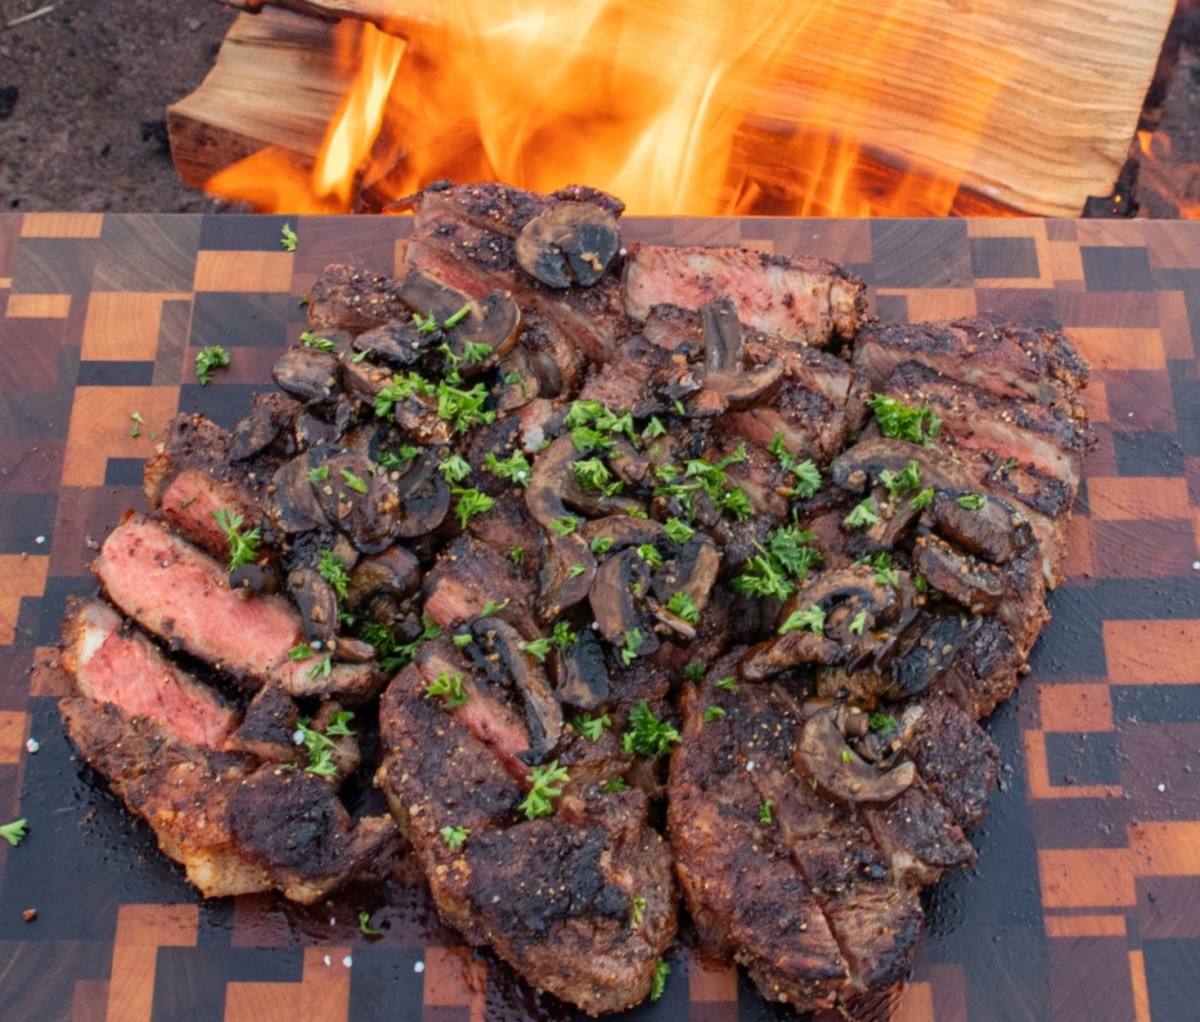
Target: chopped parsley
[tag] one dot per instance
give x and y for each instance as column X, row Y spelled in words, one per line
column 881, row 721
column 647, row 735
column 812, row 619
column 678, row 531
column 455, row 468
column 764, row 812
column 971, row 501
column 563, row 526
column 319, row 746
column 538, row 648
column 514, row 468
column 808, row 476
column 591, row 727
column 864, row 515
column 14, row 832
column 637, row 909
column 922, row 500
column 659, row 984
column 648, row 552
column 543, row 781
column 682, row 605
column 602, row 544
column 713, row 713
column 471, row 502
column 356, row 483
column 311, row 340
column 333, row 570
column 287, row 238
column 776, row 568
column 613, row 785
column 695, row 671
column 318, row 475
column 243, row 546
column 596, row 476
column 364, row 924
column 726, row 684
column 633, row 642
column 901, row 422
column 455, row 837
column 448, row 689
column 516, row 554
column 209, row 359
column 562, row 635
column 909, row 478
column 859, row 623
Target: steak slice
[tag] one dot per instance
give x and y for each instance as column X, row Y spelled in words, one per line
column 466, row 237
column 183, row 596
column 235, row 826
column 804, row 300
column 554, row 896
column 115, row 664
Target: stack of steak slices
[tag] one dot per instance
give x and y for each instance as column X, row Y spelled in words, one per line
column 594, row 532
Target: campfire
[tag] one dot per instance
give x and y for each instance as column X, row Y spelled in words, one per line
column 701, row 107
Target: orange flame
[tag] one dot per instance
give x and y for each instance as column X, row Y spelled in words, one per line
column 693, row 113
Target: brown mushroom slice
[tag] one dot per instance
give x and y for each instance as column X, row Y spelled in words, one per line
column 307, row 374
column 270, row 415
column 363, row 380
column 784, row 652
column 291, row 503
column 624, row 531
column 427, row 296
column 857, row 467
column 391, row 574
column 424, row 498
column 493, row 323
column 399, row 342
column 317, row 602
column 922, row 666
column 553, row 487
column 568, row 571
column 748, row 387
column 823, row 754
column 582, row 673
column 612, row 599
column 990, row 527
column 696, row 570
column 351, row 650
column 498, row 639
column 519, row 384
column 569, row 244
column 724, row 338
column 965, row 579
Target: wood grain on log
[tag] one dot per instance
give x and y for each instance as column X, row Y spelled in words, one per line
column 1033, row 105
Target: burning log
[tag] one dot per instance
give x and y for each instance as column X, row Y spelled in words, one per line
column 987, row 100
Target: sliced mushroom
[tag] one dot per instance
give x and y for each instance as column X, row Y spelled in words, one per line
column 784, row 652
column 928, row 660
column 501, row 644
column 612, row 599
column 582, row 672
column 966, row 579
column 823, row 754
column 292, row 505
column 400, row 343
column 859, row 466
column 316, row 601
column 568, row 571
column 270, row 415
column 519, row 384
column 307, row 374
column 724, row 339
column 571, row 243
column 392, row 574
column 624, row 531
column 748, row 387
column 994, row 529
column 553, row 487
column 424, row 499
column 494, row 323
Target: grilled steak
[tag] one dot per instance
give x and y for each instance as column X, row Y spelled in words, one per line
column 606, row 527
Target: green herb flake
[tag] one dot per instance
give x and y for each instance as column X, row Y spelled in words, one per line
column 356, row 483
column 311, row 340
column 637, row 911
column 455, row 837
column 515, row 468
column 713, row 713
column 601, row 545
column 659, row 984
column 243, row 546
column 647, row 735
column 683, row 606
column 901, row 422
column 695, row 671
column 287, row 238
column 15, row 831
column 591, row 727
column 613, row 785
column 764, row 812
column 318, row 475
column 922, row 500
column 364, row 924
column 543, row 781
column 864, row 515
column 859, row 623
column 471, row 502
column 208, row 361
column 811, row 619
column 333, row 570
column 538, row 648
column 882, row 721
column 971, row 501
column 447, row 688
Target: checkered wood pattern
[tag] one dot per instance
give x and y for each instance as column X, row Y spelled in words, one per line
column 1085, row 905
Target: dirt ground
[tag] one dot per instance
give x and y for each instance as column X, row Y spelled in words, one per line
column 84, row 91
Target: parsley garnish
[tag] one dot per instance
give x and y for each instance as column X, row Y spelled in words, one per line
column 319, row 745
column 633, row 642
column 808, row 476
column 563, row 526
column 543, row 778
column 211, row 358
column 301, row 651
column 516, row 554
column 455, row 468
column 678, row 531
column 576, row 571
column 764, row 812
column 448, row 689
column 364, row 924
column 401, row 389
column 648, row 552
column 900, row 422
column 591, row 727
column 771, row 571
column 647, row 735
column 594, row 475
column 682, row 605
column 333, row 570
column 287, row 238
column 562, row 636
column 462, row 408
column 695, row 671
column 311, row 340
column 138, row 422
column 602, row 544
column 470, row 503
column 881, row 721
column 613, row 785
column 812, row 619
column 538, row 648
column 637, row 909
column 864, row 515
column 909, row 478
column 514, row 468
column 318, row 475
column 713, row 713
column 660, row 980
column 14, row 832
column 355, row 483
column 922, row 500
column 859, row 623
column 971, row 501
column 243, row 546
column 455, row 837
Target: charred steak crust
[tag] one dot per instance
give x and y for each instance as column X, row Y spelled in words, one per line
column 593, row 527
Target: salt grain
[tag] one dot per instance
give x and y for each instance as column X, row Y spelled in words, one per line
column 32, row 746
column 348, row 961
column 40, row 540
column 1160, row 786
column 328, row 960
column 418, row 966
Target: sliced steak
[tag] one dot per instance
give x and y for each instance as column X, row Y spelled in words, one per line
column 112, row 663
column 235, row 826
column 183, row 596
column 803, row 300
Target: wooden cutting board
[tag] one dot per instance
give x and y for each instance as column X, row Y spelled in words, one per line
column 1085, row 904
